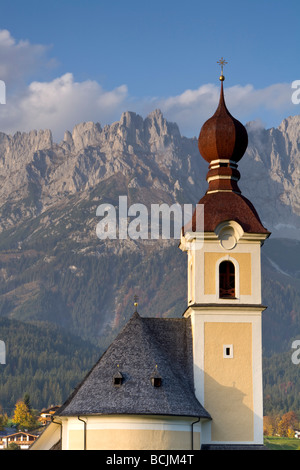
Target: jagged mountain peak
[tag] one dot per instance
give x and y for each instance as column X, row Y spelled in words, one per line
column 38, row 173
column 152, row 133
column 290, row 122
column 150, row 152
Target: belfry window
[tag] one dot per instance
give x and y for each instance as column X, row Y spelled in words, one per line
column 226, row 280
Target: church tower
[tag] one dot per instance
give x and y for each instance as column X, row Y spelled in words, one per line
column 224, row 289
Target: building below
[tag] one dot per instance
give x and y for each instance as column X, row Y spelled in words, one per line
column 46, row 415
column 21, row 439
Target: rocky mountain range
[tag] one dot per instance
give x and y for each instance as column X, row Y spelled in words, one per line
column 37, row 173
column 53, row 267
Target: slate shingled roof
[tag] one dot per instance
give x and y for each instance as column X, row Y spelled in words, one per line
column 145, row 345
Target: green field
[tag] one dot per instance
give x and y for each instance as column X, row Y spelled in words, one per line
column 281, row 443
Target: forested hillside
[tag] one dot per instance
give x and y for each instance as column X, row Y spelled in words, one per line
column 42, row 360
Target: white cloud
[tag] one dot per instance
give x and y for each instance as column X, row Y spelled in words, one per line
column 20, row 59
column 192, row 108
column 58, row 104
column 61, row 104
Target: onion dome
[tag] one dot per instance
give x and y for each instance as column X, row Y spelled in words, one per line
column 222, row 136
column 222, row 142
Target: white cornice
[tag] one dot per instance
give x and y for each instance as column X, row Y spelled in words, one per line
column 190, row 237
column 223, row 309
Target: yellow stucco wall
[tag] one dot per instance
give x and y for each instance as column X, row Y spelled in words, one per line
column 133, row 439
column 210, row 261
column 228, row 382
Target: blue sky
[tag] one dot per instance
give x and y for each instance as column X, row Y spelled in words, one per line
column 69, row 61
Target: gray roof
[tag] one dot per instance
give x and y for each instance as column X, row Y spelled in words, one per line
column 144, row 346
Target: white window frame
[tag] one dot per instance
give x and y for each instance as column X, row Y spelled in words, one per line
column 225, row 347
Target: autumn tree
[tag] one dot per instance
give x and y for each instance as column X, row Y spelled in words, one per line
column 269, row 425
column 287, row 424
column 23, row 416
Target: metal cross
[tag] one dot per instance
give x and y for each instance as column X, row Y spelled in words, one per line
column 222, row 62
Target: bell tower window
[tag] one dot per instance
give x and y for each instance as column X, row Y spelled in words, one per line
column 226, row 280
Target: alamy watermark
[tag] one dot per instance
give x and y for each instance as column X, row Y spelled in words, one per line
column 2, row 92
column 296, row 354
column 296, row 93
column 139, row 222
column 2, row 353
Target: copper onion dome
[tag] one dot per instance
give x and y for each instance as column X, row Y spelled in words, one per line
column 222, row 142
column 222, row 136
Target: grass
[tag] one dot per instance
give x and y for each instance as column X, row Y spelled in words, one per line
column 281, row 443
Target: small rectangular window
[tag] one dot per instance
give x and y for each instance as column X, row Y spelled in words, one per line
column 228, row 351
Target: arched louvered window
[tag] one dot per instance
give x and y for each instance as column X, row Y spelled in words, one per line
column 226, row 280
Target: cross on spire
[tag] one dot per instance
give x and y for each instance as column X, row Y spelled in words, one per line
column 222, row 62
